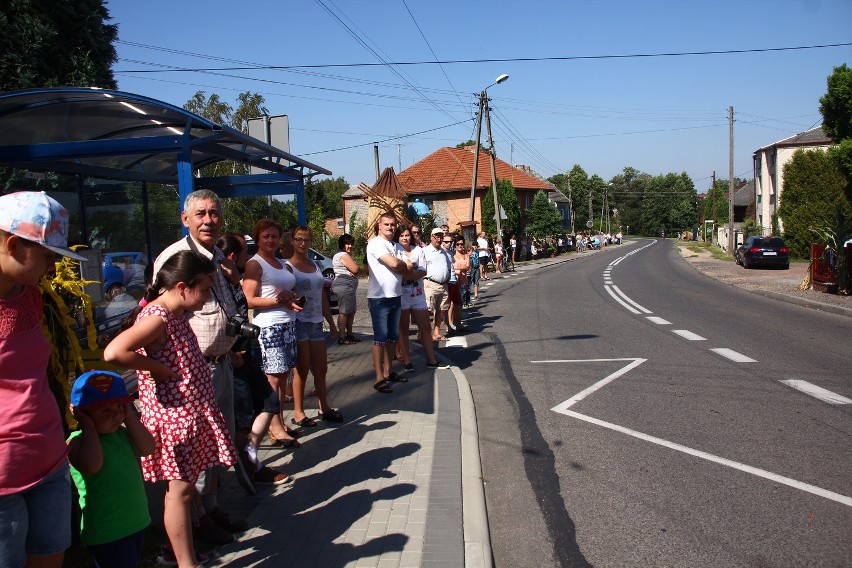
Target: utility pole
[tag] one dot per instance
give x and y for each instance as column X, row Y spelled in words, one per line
column 493, row 154
column 571, row 207
column 476, row 155
column 713, row 189
column 731, row 237
column 376, row 158
column 591, row 222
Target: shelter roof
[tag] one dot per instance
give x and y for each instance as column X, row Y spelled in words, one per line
column 123, row 136
column 451, row 169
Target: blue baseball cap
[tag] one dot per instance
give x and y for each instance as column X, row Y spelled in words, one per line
column 99, row 387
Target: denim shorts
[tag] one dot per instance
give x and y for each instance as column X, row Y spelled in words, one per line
column 36, row 521
column 385, row 315
column 309, row 331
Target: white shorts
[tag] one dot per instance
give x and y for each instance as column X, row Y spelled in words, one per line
column 413, row 297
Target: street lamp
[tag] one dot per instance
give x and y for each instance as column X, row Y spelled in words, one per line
column 483, row 105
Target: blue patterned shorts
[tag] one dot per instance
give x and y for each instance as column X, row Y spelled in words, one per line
column 278, row 347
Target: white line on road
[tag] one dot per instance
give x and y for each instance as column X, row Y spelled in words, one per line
column 817, row 392
column 686, row 334
column 807, row 487
column 629, row 308
column 637, row 306
column 658, row 320
column 634, row 362
column 732, row 355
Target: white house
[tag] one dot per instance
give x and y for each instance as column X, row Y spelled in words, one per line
column 769, row 171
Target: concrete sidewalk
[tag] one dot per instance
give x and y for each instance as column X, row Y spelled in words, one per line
column 385, row 488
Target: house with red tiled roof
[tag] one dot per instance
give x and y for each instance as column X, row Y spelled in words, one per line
column 442, row 180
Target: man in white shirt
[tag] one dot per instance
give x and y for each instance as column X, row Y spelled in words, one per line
column 439, row 266
column 388, row 264
column 484, row 255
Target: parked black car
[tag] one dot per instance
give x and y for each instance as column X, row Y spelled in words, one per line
column 763, row 251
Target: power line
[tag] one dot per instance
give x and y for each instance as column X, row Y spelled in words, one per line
column 396, row 137
column 384, row 63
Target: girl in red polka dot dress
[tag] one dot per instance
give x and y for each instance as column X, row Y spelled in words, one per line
column 175, row 390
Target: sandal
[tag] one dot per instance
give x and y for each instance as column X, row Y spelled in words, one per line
column 353, row 339
column 344, row 341
column 383, row 386
column 295, row 434
column 333, row 415
column 284, row 442
column 395, row 378
column 305, row 422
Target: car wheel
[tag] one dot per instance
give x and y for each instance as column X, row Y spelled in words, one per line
column 328, row 273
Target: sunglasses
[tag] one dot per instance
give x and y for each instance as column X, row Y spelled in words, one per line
column 447, row 242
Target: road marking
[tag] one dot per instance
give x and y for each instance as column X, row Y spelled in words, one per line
column 623, row 295
column 802, row 486
column 732, row 355
column 628, row 307
column 634, row 362
column 455, row 341
column 817, row 392
column 563, row 408
column 686, row 334
column 658, row 320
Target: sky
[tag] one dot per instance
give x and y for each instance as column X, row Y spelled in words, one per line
column 590, row 82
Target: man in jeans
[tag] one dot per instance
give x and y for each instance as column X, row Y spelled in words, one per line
column 388, row 264
column 439, row 265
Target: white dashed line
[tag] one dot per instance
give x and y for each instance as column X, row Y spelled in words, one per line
column 817, row 392
column 658, row 320
column 733, row 355
column 686, row 334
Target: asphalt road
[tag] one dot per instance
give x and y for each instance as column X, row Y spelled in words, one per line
column 632, row 412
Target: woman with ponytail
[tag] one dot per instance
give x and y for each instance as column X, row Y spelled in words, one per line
column 175, row 391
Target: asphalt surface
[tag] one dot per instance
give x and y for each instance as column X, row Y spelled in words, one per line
column 476, row 465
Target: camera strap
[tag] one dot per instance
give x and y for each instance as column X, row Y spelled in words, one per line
column 219, row 279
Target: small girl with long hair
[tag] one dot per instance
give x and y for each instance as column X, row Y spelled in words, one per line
column 176, row 391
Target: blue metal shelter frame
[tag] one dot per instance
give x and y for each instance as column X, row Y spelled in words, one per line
column 123, row 136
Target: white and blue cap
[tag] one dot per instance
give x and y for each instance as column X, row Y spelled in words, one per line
column 37, row 217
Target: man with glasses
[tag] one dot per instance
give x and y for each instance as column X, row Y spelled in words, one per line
column 416, row 237
column 388, row 264
column 439, row 266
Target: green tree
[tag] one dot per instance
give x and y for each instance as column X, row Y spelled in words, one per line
column 626, row 192
column 509, row 202
column 545, row 220
column 716, row 204
column 468, row 143
column 45, row 43
column 813, row 189
column 327, row 194
column 836, row 104
column 669, row 204
column 579, row 191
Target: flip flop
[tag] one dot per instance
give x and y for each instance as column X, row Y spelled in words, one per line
column 305, row 422
column 395, row 378
column 383, row 386
column 440, row 338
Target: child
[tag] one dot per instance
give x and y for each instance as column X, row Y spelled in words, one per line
column 105, row 468
column 176, row 391
column 35, row 495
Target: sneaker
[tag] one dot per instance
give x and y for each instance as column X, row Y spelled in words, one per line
column 210, row 532
column 244, row 468
column 438, row 365
column 167, row 558
column 269, row 476
column 223, row 520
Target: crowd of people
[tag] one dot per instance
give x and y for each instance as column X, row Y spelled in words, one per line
column 206, row 401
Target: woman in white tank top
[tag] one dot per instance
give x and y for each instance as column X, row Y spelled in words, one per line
column 268, row 285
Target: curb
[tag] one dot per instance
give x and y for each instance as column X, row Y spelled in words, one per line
column 804, row 302
column 477, row 537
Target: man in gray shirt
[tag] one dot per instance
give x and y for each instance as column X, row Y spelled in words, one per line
column 439, row 265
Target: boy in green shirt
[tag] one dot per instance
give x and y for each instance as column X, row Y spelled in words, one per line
column 104, row 455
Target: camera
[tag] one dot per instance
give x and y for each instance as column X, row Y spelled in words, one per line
column 238, row 326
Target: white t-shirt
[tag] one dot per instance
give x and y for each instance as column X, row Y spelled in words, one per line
column 384, row 283
column 483, row 246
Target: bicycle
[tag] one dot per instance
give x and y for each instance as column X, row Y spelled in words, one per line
column 506, row 263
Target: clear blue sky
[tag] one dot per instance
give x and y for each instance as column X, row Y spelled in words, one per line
column 656, row 114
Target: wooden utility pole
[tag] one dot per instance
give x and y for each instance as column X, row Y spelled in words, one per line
column 713, row 189
column 376, row 158
column 731, row 237
column 476, row 155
